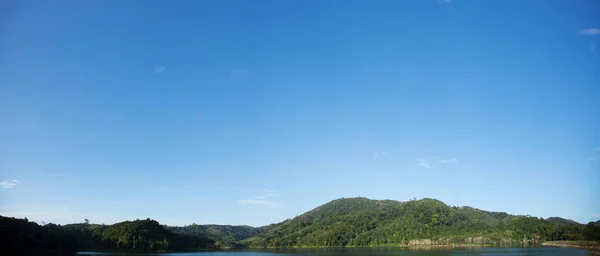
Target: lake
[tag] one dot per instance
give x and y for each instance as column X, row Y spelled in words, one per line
column 530, row 251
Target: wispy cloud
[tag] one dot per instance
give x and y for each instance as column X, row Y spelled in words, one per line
column 444, row 1
column 447, row 161
column 424, row 163
column 160, row 69
column 263, row 200
column 429, row 162
column 8, row 184
column 378, row 154
column 590, row 31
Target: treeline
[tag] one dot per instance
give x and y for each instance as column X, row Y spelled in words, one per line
column 23, row 237
column 365, row 222
column 225, row 236
column 342, row 222
column 136, row 236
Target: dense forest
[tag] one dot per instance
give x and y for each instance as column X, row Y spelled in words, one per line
column 225, row 236
column 23, row 237
column 365, row 222
column 342, row 222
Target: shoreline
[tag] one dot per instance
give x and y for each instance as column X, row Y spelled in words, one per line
column 389, row 246
column 593, row 247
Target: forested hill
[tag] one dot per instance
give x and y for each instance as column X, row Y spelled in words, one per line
column 224, row 235
column 25, row 237
column 365, row 222
column 562, row 221
column 341, row 222
column 22, row 237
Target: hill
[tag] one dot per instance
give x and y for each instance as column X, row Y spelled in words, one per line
column 25, row 237
column 562, row 221
column 365, row 222
column 342, row 222
column 148, row 235
column 22, row 237
column 225, row 236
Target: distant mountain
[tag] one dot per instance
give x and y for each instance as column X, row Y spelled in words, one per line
column 366, row 222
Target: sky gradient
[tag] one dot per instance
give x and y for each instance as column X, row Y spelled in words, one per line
column 251, row 112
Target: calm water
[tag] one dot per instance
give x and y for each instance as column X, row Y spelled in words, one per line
column 537, row 251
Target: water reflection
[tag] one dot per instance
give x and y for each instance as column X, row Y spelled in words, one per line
column 396, row 251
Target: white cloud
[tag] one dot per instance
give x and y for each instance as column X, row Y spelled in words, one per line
column 159, row 70
column 262, row 199
column 590, row 31
column 378, row 154
column 447, row 161
column 8, row 184
column 424, row 163
column 261, row 202
column 427, row 162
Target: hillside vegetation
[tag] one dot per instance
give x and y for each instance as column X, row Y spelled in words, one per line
column 341, row 222
column 365, row 222
column 225, row 236
column 22, row 237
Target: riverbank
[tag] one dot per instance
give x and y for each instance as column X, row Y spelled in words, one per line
column 593, row 247
column 381, row 246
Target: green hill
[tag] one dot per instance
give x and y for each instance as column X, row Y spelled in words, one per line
column 148, row 235
column 87, row 236
column 365, row 222
column 22, row 237
column 562, row 221
column 225, row 236
column 342, row 222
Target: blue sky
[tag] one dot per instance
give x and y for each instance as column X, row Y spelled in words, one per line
column 251, row 112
